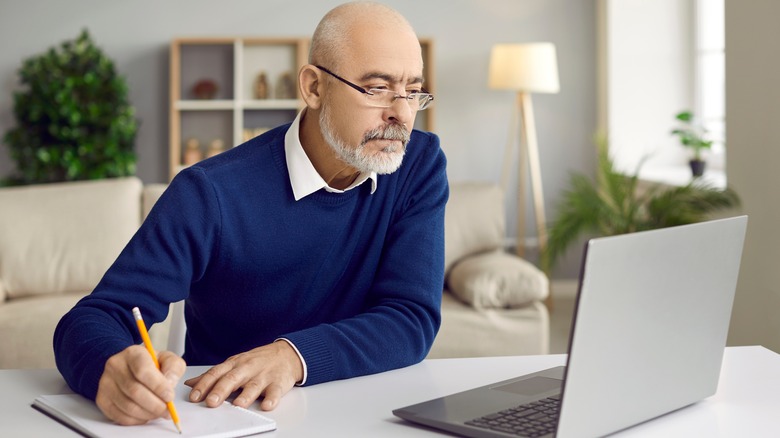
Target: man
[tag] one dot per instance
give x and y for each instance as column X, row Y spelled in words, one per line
column 311, row 253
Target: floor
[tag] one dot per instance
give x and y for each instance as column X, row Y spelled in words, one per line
column 564, row 293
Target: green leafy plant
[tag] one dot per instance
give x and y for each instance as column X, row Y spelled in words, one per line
column 614, row 204
column 73, row 118
column 691, row 135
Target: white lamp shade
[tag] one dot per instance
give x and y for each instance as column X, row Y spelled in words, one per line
column 524, row 67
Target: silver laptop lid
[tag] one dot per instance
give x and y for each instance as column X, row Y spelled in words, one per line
column 651, row 325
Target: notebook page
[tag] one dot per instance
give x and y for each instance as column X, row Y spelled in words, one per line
column 197, row 420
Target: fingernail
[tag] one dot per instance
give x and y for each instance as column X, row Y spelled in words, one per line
column 195, row 395
column 213, row 399
column 168, row 395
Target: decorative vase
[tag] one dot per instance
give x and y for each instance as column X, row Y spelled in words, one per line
column 285, row 87
column 205, row 89
column 697, row 167
column 216, row 146
column 192, row 152
column 261, row 86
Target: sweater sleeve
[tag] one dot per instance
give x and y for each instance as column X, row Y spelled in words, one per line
column 403, row 313
column 169, row 251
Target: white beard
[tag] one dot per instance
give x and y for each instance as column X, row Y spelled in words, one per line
column 386, row 161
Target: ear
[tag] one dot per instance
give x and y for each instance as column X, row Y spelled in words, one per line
column 311, row 86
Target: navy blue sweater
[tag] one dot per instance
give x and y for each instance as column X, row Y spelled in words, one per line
column 354, row 279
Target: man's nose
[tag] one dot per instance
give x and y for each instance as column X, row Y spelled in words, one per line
column 400, row 111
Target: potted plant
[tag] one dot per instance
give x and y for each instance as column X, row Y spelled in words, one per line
column 692, row 136
column 73, row 119
column 614, row 204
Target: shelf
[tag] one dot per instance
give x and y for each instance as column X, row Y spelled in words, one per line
column 680, row 175
column 272, row 104
column 203, row 105
column 259, row 104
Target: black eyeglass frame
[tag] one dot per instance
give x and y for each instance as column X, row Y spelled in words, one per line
column 369, row 93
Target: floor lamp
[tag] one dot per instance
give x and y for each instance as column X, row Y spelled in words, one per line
column 525, row 68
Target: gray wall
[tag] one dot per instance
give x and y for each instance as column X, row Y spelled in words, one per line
column 472, row 120
column 753, row 157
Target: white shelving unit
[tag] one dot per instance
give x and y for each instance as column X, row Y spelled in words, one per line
column 233, row 64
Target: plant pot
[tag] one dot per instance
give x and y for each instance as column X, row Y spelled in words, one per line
column 697, row 167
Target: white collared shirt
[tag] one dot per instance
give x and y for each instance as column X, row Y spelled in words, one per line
column 303, row 176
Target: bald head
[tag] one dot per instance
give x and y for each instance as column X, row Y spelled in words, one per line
column 358, row 47
column 351, row 23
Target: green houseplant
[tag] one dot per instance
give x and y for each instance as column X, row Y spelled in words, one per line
column 692, row 136
column 73, row 118
column 614, row 204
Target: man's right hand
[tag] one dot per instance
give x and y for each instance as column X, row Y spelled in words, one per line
column 133, row 391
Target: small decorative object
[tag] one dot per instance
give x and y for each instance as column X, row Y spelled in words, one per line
column 216, row 146
column 285, row 88
column 692, row 136
column 192, row 152
column 250, row 133
column 204, row 89
column 261, row 86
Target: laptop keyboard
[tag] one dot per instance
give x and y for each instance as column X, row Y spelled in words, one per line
column 530, row 420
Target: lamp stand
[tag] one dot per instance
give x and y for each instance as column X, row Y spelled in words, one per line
column 529, row 158
column 529, row 151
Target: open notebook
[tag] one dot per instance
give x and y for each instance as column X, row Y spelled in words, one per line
column 197, row 420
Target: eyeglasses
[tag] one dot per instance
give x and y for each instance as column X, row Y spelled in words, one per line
column 385, row 98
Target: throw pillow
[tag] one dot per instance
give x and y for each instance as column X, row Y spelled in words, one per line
column 497, row 280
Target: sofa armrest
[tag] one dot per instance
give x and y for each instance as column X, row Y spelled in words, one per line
column 497, row 279
column 151, row 193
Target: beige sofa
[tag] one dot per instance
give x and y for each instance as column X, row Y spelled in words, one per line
column 57, row 240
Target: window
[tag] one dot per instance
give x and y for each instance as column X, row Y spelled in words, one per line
column 658, row 58
column 710, row 98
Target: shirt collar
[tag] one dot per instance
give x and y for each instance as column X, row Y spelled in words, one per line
column 304, row 178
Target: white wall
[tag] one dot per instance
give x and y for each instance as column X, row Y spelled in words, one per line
column 753, row 156
column 472, row 120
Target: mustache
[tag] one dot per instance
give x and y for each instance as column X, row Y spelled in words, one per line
column 389, row 132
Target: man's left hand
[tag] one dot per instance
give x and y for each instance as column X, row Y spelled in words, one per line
column 269, row 371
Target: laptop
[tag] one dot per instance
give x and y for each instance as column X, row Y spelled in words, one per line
column 647, row 338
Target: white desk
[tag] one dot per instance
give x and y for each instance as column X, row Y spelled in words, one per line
column 747, row 402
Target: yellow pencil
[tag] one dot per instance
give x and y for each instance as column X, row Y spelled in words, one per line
column 148, row 343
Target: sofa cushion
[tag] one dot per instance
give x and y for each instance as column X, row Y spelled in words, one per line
column 469, row 332
column 59, row 238
column 473, row 220
column 497, row 280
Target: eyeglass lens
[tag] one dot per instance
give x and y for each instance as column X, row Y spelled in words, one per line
column 386, row 98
